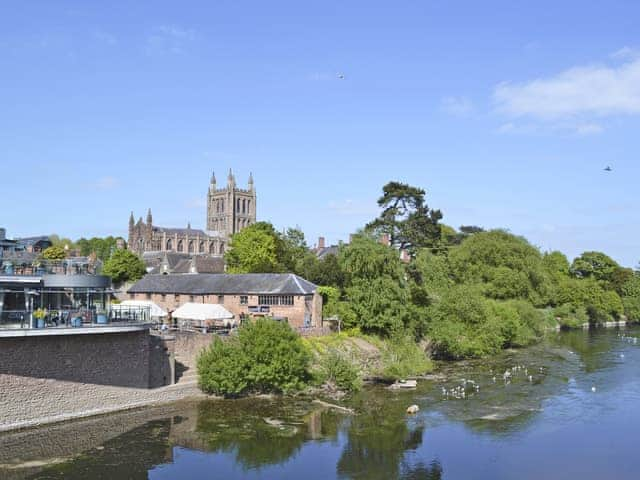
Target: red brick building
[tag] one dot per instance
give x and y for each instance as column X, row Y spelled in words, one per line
column 280, row 295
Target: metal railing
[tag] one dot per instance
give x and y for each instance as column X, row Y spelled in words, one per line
column 74, row 318
column 42, row 267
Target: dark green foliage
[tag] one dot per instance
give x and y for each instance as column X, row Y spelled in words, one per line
column 124, row 266
column 266, row 356
column 406, row 218
column 570, row 316
column 336, row 369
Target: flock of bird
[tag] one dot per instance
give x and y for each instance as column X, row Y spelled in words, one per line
column 469, row 388
column 628, row 338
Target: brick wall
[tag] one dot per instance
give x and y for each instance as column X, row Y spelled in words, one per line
column 127, row 359
column 295, row 313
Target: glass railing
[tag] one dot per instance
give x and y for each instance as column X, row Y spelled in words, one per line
column 42, row 267
column 75, row 318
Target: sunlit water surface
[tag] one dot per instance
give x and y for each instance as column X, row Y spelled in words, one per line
column 570, row 410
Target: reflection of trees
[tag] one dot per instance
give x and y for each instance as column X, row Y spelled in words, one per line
column 433, row 471
column 129, row 456
column 255, row 442
column 591, row 346
column 378, row 438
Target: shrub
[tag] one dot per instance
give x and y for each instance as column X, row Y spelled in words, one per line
column 223, row 368
column 335, row 368
column 266, row 356
column 569, row 316
column 402, row 357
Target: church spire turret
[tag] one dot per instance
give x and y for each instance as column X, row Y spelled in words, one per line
column 149, row 217
column 132, row 221
column 213, row 179
column 250, row 181
column 231, row 181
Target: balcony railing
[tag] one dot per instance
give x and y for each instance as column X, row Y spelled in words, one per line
column 42, row 267
column 74, row 318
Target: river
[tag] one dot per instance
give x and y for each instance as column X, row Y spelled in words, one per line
column 569, row 409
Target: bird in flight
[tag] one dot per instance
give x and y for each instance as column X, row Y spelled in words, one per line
column 608, row 169
column 340, row 76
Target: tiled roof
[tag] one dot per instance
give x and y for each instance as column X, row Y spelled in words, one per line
column 224, row 283
column 323, row 252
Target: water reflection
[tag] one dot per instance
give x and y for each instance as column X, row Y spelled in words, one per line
column 546, row 405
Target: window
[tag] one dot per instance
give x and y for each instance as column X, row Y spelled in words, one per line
column 176, row 298
column 163, row 297
column 220, row 298
column 192, row 298
column 244, row 300
column 169, row 245
column 286, row 300
column 201, row 247
column 180, row 247
column 148, row 295
column 191, row 246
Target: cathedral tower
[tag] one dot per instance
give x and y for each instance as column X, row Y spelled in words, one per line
column 230, row 209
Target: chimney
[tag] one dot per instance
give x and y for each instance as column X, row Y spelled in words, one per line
column 385, row 239
column 320, row 243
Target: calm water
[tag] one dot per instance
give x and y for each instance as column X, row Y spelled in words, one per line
column 550, row 426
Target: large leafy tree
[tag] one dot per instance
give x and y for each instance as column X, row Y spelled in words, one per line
column 595, row 264
column 365, row 258
column 406, row 218
column 124, row 266
column 254, row 250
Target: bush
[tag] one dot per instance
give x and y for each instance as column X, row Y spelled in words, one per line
column 335, row 368
column 223, row 368
column 569, row 316
column 402, row 357
column 266, row 356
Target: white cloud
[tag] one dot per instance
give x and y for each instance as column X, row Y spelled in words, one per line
column 196, row 203
column 565, row 128
column 169, row 39
column 458, row 106
column 579, row 92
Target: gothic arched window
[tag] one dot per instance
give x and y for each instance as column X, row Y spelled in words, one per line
column 212, row 248
column 244, row 206
column 180, row 246
column 221, row 248
column 201, row 248
column 191, row 246
column 169, row 245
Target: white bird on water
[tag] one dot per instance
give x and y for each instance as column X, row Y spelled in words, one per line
column 593, row 389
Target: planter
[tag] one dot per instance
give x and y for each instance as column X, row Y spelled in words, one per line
column 39, row 322
column 101, row 318
column 76, row 322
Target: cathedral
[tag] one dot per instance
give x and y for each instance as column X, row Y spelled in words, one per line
column 229, row 210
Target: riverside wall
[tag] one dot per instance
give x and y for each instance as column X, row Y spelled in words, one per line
column 54, row 377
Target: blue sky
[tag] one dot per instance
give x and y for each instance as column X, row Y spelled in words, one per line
column 505, row 112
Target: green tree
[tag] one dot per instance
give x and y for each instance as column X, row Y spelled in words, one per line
column 406, row 218
column 594, row 264
column 365, row 258
column 54, row 252
column 506, row 266
column 253, row 250
column 124, row 266
column 378, row 305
